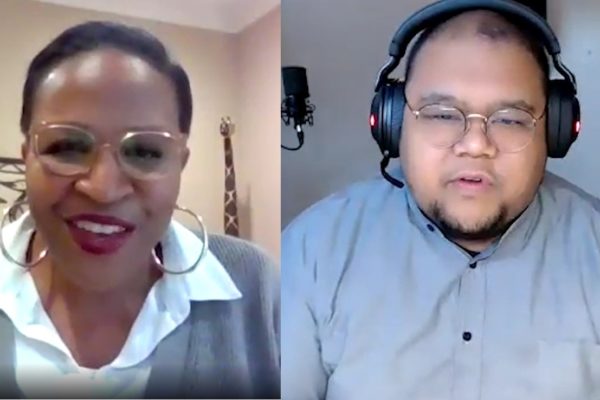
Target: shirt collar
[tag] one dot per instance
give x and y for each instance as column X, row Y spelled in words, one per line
column 512, row 241
column 208, row 281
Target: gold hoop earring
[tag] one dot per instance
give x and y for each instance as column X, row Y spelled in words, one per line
column 202, row 254
column 10, row 211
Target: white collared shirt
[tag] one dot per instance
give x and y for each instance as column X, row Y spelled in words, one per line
column 43, row 361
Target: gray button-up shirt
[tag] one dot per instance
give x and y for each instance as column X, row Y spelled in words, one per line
column 378, row 304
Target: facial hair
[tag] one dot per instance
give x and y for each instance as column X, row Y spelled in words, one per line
column 486, row 229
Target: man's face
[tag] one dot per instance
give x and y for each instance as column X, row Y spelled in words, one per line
column 475, row 75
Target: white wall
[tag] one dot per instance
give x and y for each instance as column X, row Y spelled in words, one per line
column 343, row 43
column 576, row 25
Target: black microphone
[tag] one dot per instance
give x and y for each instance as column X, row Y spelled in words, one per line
column 295, row 107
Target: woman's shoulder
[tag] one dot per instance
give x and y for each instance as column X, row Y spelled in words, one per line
column 229, row 248
column 247, row 264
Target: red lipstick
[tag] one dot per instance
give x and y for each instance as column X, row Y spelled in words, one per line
column 99, row 234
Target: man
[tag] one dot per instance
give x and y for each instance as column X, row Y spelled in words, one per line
column 480, row 279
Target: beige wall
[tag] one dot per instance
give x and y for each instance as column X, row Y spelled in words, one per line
column 258, row 136
column 210, row 59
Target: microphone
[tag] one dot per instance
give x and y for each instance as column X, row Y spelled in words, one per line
column 295, row 107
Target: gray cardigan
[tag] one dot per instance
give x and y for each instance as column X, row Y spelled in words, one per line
column 225, row 349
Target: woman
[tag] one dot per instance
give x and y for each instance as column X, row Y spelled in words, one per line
column 102, row 294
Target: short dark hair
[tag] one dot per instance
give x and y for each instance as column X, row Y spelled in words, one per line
column 497, row 29
column 96, row 35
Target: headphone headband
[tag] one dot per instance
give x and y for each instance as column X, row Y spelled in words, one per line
column 442, row 10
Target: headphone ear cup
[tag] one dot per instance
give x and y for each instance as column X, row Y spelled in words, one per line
column 562, row 118
column 376, row 118
column 396, row 117
column 387, row 111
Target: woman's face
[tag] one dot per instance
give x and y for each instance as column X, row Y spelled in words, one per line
column 101, row 226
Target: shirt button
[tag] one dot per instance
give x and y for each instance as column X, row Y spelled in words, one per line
column 430, row 227
column 473, row 265
column 467, row 336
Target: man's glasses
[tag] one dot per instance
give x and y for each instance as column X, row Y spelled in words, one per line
column 510, row 129
column 67, row 150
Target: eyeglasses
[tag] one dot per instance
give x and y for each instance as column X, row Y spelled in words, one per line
column 510, row 129
column 67, row 150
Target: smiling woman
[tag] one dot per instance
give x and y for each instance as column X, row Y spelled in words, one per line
column 102, row 293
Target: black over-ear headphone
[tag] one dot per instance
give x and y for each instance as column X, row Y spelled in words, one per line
column 387, row 107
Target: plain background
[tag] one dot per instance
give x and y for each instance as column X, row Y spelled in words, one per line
column 233, row 75
column 343, row 43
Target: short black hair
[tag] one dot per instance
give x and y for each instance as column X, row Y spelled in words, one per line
column 497, row 29
column 94, row 35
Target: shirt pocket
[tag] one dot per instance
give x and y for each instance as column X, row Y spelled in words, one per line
column 569, row 370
